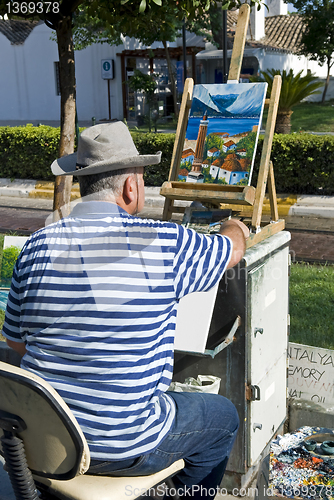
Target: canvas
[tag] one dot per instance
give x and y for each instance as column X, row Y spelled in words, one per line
column 222, row 133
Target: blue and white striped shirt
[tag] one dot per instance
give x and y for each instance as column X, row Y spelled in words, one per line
column 94, row 297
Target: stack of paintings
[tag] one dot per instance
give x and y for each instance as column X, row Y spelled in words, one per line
column 222, row 133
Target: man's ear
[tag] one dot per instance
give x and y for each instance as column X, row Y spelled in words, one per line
column 129, row 190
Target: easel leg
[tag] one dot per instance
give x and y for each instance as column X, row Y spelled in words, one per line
column 168, row 209
column 265, row 156
column 272, row 193
column 179, row 142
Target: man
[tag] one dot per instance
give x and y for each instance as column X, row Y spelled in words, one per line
column 92, row 309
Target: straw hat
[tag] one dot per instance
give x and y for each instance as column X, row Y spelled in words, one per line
column 103, row 148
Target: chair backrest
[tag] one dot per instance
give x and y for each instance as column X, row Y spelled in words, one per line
column 54, row 443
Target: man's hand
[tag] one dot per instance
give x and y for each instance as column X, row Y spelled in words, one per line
column 238, row 233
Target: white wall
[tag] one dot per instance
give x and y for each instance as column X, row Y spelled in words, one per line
column 281, row 61
column 276, row 8
column 27, row 81
column 92, row 90
column 278, row 60
column 256, row 19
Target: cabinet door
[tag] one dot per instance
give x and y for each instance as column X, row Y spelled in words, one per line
column 267, row 342
column 267, row 414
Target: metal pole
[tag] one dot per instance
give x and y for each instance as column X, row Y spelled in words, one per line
column 184, row 51
column 109, row 106
column 225, row 74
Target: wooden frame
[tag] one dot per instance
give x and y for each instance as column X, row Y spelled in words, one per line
column 213, row 194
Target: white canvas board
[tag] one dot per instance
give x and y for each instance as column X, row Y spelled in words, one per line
column 193, row 320
column 14, row 241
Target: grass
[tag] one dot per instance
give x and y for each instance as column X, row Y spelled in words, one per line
column 312, row 305
column 162, row 126
column 310, row 117
column 313, row 117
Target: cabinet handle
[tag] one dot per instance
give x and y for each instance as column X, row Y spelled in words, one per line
column 253, row 393
column 256, row 393
column 257, row 330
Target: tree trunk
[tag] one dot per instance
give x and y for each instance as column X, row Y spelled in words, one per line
column 63, row 184
column 283, row 122
column 172, row 79
column 327, row 81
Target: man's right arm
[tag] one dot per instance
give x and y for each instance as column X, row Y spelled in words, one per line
column 238, row 233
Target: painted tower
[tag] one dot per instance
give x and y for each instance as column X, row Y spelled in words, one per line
column 195, row 175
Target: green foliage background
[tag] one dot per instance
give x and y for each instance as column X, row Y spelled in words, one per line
column 303, row 163
column 9, row 257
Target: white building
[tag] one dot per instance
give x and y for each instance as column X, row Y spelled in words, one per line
column 28, row 79
column 28, row 60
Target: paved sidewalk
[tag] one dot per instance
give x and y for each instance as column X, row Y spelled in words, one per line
column 288, row 204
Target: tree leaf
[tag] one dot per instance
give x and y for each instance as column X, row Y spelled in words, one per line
column 142, row 6
column 158, row 2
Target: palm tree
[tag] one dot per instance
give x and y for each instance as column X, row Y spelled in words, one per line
column 294, row 89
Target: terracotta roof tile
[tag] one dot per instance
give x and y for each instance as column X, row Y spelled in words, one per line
column 281, row 33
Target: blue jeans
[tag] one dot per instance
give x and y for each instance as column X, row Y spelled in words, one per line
column 203, row 434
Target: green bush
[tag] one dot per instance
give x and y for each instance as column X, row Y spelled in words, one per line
column 27, row 152
column 303, row 163
column 155, row 175
column 9, row 257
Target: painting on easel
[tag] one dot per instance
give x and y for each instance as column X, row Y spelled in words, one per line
column 222, row 133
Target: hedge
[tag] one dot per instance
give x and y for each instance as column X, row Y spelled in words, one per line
column 303, row 163
column 27, row 152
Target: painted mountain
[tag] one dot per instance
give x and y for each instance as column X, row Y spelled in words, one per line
column 233, row 100
column 222, row 133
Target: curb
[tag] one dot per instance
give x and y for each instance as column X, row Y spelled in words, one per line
column 288, row 204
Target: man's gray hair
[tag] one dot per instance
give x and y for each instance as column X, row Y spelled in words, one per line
column 106, row 183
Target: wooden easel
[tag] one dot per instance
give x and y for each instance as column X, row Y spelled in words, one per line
column 234, row 196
